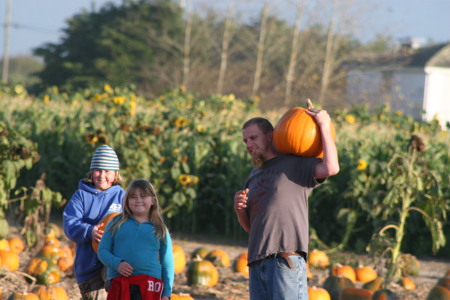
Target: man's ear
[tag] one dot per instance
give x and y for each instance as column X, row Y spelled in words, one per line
column 270, row 136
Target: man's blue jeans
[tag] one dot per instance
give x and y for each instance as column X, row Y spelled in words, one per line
column 272, row 279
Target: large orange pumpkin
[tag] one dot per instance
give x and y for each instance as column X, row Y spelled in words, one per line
column 16, row 245
column 104, row 222
column 179, row 259
column 298, row 133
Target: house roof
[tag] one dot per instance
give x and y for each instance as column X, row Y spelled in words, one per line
column 436, row 55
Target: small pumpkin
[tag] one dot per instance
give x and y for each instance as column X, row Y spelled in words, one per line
column 16, row 245
column 298, row 133
column 51, row 293
column 318, row 259
column 354, row 293
column 365, row 274
column 317, row 293
column 219, row 258
column 344, row 270
column 407, row 283
column 200, row 252
column 53, row 230
column 438, row 293
column 335, row 284
column 240, row 264
column 24, row 296
column 65, row 263
column 45, row 270
column 10, row 260
column 384, row 294
column 181, row 296
column 179, row 259
column 53, row 252
column 203, row 273
column 103, row 222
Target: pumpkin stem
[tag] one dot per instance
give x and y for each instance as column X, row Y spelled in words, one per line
column 309, row 104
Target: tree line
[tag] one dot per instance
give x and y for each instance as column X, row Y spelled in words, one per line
column 159, row 44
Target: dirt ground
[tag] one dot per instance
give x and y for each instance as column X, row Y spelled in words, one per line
column 231, row 285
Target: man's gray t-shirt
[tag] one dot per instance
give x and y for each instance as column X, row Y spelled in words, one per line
column 278, row 205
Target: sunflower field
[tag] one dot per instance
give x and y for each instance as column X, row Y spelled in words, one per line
column 392, row 189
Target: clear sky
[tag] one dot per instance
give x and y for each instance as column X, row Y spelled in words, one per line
column 36, row 22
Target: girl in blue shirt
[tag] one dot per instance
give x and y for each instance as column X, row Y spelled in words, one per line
column 137, row 248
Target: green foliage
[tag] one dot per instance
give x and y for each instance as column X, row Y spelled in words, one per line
column 190, row 147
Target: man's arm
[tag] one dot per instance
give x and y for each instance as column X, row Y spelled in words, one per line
column 240, row 203
column 329, row 165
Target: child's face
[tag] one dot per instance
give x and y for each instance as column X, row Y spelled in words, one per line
column 140, row 203
column 103, row 179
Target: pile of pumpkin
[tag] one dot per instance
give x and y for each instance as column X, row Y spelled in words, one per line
column 202, row 270
column 45, row 270
column 341, row 281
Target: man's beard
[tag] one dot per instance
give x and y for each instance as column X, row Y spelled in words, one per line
column 258, row 162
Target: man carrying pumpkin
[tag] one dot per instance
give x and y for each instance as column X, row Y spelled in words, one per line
column 273, row 208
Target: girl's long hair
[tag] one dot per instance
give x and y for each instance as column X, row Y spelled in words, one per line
column 155, row 215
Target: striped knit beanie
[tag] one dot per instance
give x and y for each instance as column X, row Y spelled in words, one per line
column 105, row 159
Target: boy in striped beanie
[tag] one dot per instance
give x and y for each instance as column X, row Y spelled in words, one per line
column 98, row 195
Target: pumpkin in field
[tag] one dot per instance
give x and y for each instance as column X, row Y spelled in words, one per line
column 298, row 133
column 365, row 274
column 240, row 264
column 317, row 293
column 181, row 296
column 353, row 293
column 10, row 260
column 24, row 296
column 318, row 259
column 53, row 230
column 384, row 294
column 335, row 284
column 16, row 245
column 51, row 293
column 202, row 272
column 438, row 293
column 179, row 259
column 45, row 270
column 344, row 270
column 53, row 252
column 200, row 252
column 219, row 258
column 407, row 283
column 103, row 223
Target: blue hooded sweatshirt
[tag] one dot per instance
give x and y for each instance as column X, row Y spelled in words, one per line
column 87, row 207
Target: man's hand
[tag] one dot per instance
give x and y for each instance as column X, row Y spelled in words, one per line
column 240, row 200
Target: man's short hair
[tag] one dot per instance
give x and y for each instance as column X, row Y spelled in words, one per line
column 263, row 124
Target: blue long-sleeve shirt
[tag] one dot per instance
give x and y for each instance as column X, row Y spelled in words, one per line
column 136, row 244
column 87, row 207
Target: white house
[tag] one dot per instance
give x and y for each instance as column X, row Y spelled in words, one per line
column 414, row 81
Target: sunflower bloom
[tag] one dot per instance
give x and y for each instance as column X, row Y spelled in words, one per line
column 362, row 165
column 350, row 119
column 180, row 122
column 107, row 88
column 184, row 179
column 201, row 128
column 46, row 99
